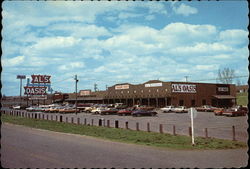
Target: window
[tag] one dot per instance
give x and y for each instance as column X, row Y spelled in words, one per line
column 157, row 90
column 149, row 90
column 193, row 103
column 204, row 102
column 134, row 91
column 128, row 91
column 142, row 91
column 181, row 102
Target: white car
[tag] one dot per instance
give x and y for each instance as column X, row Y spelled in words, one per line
column 180, row 109
column 16, row 107
column 167, row 109
column 97, row 110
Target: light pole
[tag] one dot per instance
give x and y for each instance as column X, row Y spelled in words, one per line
column 21, row 77
column 76, row 93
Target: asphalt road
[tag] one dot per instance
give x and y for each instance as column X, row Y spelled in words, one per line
column 23, row 147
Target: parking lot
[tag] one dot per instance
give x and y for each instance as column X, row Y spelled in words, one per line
column 217, row 126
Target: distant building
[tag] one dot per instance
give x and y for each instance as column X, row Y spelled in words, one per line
column 242, row 89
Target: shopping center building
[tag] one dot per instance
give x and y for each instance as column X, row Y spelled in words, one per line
column 159, row 94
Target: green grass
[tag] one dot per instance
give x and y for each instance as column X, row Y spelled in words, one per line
column 242, row 99
column 127, row 136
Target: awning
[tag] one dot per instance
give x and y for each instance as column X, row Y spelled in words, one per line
column 224, row 97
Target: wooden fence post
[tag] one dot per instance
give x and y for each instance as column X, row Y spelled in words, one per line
column 148, row 127
column 190, row 131
column 78, row 120
column 233, row 130
column 85, row 121
column 206, row 133
column 161, row 128
column 137, row 126
column 174, row 131
column 126, row 124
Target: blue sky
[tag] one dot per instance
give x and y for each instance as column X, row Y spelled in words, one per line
column 117, row 42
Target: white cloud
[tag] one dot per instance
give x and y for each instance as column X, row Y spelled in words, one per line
column 234, row 37
column 206, row 67
column 150, row 17
column 18, row 60
column 185, row 10
column 72, row 65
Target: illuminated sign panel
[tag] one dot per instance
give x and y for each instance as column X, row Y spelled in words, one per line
column 153, row 84
column 183, row 88
column 119, row 87
column 85, row 92
column 35, row 90
column 40, row 79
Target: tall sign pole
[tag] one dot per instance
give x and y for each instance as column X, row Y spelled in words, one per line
column 76, row 94
column 21, row 77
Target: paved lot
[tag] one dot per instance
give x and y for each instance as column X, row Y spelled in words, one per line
column 24, row 147
column 217, row 126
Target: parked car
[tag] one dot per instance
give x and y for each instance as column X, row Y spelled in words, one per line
column 16, row 107
column 206, row 108
column 68, row 110
column 125, row 112
column 143, row 113
column 219, row 111
column 97, row 110
column 109, row 111
column 235, row 111
column 180, row 109
column 167, row 109
column 143, row 107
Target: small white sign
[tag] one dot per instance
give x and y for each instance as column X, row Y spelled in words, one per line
column 153, row 84
column 119, row 87
column 223, row 89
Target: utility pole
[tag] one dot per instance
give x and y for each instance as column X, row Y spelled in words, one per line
column 76, row 93
column 186, row 78
column 106, row 87
column 95, row 87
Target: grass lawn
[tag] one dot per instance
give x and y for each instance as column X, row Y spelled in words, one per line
column 127, row 136
column 242, row 99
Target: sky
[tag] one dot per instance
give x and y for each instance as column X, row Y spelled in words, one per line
column 108, row 43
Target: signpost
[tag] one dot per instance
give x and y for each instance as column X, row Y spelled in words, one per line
column 192, row 112
column 21, row 77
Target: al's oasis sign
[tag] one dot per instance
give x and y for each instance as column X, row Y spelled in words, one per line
column 183, row 88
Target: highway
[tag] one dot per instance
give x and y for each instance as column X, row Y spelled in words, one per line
column 24, row 147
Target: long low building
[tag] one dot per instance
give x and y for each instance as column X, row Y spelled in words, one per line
column 159, row 94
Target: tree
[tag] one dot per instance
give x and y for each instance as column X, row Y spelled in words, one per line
column 226, row 75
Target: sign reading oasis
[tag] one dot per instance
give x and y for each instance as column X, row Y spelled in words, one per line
column 183, row 88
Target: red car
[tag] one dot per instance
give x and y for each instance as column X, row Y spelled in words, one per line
column 125, row 112
column 235, row 111
column 109, row 111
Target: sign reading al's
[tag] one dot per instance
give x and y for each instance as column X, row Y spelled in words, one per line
column 183, row 88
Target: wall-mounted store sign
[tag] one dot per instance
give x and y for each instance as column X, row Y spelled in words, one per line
column 183, row 88
column 223, row 89
column 153, row 84
column 119, row 87
column 85, row 92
